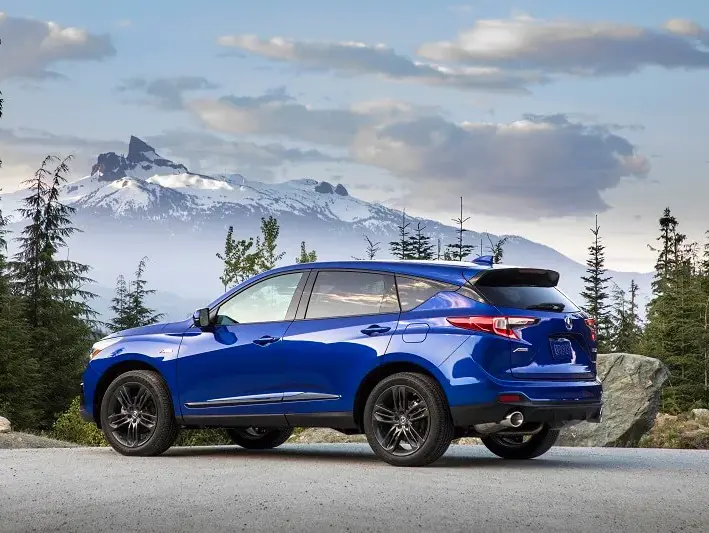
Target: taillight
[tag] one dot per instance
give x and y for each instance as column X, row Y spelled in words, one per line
column 591, row 323
column 504, row 326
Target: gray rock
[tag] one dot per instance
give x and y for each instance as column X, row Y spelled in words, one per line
column 631, row 399
column 4, row 425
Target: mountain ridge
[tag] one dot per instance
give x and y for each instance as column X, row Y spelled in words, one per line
column 144, row 204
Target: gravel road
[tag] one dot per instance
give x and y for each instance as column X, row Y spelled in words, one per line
column 343, row 487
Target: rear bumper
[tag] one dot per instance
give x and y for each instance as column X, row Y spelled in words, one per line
column 555, row 413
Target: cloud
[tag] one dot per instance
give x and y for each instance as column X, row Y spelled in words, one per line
column 573, row 48
column 541, row 165
column 166, row 93
column 354, row 58
column 30, row 47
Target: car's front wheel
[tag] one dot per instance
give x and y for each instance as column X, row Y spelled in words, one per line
column 407, row 420
column 517, row 447
column 137, row 416
column 254, row 438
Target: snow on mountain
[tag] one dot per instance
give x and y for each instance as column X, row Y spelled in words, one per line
column 142, row 204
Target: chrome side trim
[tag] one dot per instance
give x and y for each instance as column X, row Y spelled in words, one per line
column 263, row 398
column 308, row 396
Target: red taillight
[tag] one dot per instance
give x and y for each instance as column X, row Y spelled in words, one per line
column 504, row 326
column 509, row 398
column 591, row 323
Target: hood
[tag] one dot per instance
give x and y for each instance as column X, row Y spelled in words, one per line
column 164, row 328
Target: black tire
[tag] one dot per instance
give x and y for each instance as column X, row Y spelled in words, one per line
column 260, row 438
column 538, row 444
column 165, row 429
column 421, row 389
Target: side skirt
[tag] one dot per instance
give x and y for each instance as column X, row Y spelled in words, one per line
column 337, row 420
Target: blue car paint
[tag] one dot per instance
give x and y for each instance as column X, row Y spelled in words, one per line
column 329, row 358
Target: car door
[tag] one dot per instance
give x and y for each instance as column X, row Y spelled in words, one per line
column 342, row 327
column 232, row 371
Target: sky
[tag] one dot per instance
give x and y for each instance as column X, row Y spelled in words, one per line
column 542, row 114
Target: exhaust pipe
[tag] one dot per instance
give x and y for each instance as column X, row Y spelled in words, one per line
column 513, row 420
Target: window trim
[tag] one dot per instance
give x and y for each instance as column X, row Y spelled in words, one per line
column 292, row 306
column 301, row 314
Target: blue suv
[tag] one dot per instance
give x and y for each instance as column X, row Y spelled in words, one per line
column 413, row 354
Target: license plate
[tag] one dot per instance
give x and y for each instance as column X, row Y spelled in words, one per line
column 561, row 349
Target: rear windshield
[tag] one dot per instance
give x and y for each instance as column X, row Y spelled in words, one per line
column 524, row 289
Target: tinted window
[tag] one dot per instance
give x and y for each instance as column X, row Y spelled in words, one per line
column 352, row 293
column 520, row 297
column 265, row 301
column 414, row 291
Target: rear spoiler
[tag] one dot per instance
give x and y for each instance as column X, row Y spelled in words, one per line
column 514, row 276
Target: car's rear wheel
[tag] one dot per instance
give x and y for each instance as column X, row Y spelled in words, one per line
column 254, row 438
column 512, row 447
column 137, row 416
column 407, row 420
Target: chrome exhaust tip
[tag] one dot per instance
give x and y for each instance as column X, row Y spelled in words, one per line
column 514, row 419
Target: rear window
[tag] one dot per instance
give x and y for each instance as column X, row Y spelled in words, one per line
column 524, row 289
column 520, row 297
column 415, row 291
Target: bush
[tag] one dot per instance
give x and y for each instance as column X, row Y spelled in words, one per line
column 684, row 431
column 203, row 437
column 71, row 427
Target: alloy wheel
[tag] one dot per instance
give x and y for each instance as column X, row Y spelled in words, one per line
column 401, row 420
column 132, row 414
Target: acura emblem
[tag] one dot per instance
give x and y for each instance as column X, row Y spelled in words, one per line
column 569, row 323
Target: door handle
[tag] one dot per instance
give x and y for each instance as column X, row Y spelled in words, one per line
column 373, row 330
column 266, row 340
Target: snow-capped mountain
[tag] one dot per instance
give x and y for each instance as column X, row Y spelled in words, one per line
column 142, row 204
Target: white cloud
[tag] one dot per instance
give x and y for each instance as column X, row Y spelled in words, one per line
column 30, row 47
column 166, row 93
column 355, row 58
column 571, row 47
column 537, row 166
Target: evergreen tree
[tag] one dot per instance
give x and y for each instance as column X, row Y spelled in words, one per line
column 626, row 328
column 55, row 306
column 241, row 259
column 595, row 293
column 420, row 244
column 371, row 251
column 119, row 306
column 19, row 372
column 401, row 248
column 136, row 309
column 497, row 249
column 458, row 251
column 267, row 251
column 305, row 255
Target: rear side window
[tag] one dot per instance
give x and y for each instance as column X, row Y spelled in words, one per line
column 338, row 294
column 415, row 291
column 524, row 289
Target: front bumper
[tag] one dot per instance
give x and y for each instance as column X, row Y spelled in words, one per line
column 82, row 407
column 555, row 413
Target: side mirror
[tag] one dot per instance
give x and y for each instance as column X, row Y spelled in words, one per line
column 201, row 318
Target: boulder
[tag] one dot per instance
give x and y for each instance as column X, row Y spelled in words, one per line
column 700, row 414
column 4, row 425
column 631, row 399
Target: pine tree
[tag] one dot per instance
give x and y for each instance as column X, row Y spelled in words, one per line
column 371, row 251
column 55, row 305
column 401, row 248
column 19, row 371
column 136, row 309
column 305, row 255
column 626, row 328
column 497, row 249
column 269, row 232
column 119, row 306
column 420, row 244
column 595, row 293
column 242, row 259
column 458, row 251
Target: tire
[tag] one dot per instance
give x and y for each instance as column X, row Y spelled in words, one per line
column 259, row 438
column 401, row 420
column 115, row 417
column 537, row 445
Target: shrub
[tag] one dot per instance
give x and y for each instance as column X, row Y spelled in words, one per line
column 684, row 431
column 71, row 427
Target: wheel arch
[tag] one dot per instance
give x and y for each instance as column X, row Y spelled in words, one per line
column 386, row 369
column 112, row 373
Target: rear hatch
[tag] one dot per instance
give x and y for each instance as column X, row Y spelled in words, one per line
column 550, row 337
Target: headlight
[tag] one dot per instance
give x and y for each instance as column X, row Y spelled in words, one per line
column 102, row 345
